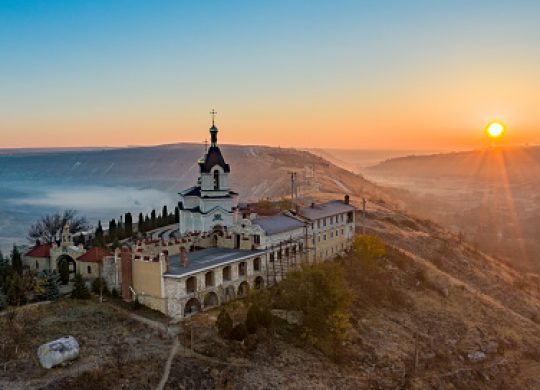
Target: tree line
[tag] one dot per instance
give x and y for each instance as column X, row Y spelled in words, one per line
column 48, row 229
column 125, row 227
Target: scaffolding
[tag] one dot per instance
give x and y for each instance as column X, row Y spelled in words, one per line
column 286, row 255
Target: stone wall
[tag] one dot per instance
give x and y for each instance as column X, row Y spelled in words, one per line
column 217, row 292
column 109, row 272
column 155, row 303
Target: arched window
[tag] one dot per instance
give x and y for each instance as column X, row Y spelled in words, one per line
column 216, row 180
column 191, row 285
column 227, row 273
column 242, row 268
column 209, row 279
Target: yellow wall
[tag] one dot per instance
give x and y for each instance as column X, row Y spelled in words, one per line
column 82, row 268
column 31, row 262
column 334, row 242
column 147, row 278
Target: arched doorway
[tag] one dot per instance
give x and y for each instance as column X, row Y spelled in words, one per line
column 192, row 306
column 72, row 265
column 216, row 232
column 211, row 299
column 228, row 294
column 243, row 289
column 259, row 283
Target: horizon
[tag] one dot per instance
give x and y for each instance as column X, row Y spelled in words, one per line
column 350, row 75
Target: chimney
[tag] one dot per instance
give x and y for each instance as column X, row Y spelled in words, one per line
column 183, row 259
column 165, row 255
column 297, row 209
column 346, row 199
column 313, row 205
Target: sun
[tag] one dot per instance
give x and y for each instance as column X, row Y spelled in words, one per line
column 495, row 129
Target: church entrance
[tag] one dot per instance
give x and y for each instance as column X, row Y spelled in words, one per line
column 72, row 265
column 216, row 232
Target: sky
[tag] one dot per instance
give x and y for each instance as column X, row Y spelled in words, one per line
column 311, row 74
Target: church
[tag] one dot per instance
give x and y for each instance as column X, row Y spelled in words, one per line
column 220, row 252
column 211, row 203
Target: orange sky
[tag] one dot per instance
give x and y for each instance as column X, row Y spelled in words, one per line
column 353, row 76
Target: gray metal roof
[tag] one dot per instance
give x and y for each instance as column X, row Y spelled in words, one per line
column 207, row 259
column 278, row 223
column 324, row 210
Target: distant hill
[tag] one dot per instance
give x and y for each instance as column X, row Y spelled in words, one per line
column 492, row 196
column 256, row 171
column 516, row 164
column 104, row 184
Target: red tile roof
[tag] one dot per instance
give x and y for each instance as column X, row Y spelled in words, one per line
column 43, row 250
column 94, row 255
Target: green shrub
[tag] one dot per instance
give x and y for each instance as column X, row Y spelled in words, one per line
column 224, row 324
column 99, row 284
column 239, row 332
column 253, row 318
column 63, row 270
column 265, row 318
column 80, row 291
column 319, row 291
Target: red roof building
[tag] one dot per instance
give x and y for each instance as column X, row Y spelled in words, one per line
column 43, row 251
column 94, row 255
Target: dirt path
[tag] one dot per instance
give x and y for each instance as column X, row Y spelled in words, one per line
column 174, row 350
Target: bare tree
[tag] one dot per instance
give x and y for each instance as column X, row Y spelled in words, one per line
column 48, row 228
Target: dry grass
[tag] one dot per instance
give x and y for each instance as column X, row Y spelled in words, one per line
column 98, row 328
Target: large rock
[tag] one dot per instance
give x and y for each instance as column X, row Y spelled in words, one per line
column 58, row 351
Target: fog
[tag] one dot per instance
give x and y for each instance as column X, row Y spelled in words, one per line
column 22, row 204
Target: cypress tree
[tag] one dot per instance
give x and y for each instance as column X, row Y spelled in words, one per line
column 112, row 230
column 98, row 239
column 128, row 225
column 16, row 261
column 63, row 270
column 16, row 294
column 80, row 290
column 141, row 223
column 153, row 219
column 147, row 223
column 165, row 215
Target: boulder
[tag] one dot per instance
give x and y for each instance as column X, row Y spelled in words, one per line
column 476, row 357
column 58, row 352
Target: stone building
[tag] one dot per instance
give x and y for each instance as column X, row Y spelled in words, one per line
column 221, row 252
column 224, row 252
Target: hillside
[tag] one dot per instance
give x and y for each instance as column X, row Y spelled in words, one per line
column 489, row 196
column 458, row 319
column 108, row 183
column 483, row 334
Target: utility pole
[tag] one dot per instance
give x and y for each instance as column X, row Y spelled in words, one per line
column 296, row 187
column 292, row 189
column 364, row 216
